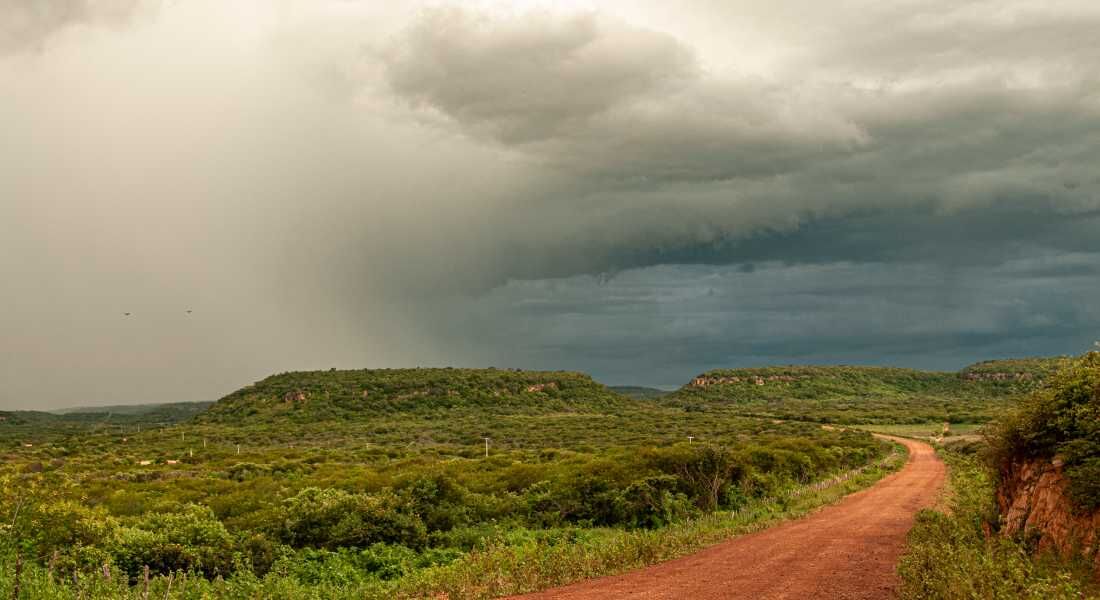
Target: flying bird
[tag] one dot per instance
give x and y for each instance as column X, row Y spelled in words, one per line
column 126, row 314
column 188, row 312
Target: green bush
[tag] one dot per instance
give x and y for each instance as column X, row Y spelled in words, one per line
column 1062, row 418
column 653, row 502
column 191, row 540
column 332, row 518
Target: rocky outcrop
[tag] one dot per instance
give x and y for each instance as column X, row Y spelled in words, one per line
column 295, row 396
column 1032, row 499
column 704, row 381
column 997, row 376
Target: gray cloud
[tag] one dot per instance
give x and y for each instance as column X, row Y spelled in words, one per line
column 26, row 25
column 627, row 191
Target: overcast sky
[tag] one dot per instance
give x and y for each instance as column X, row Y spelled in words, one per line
column 642, row 191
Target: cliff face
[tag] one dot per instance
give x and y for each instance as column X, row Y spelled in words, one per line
column 1032, row 497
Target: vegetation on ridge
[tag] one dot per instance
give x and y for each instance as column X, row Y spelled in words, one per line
column 367, row 483
column 854, row 395
column 965, row 553
column 363, row 394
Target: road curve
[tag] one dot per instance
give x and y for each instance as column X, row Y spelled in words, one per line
column 847, row 550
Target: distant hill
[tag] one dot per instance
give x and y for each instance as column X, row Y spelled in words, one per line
column 361, row 394
column 1020, row 369
column 83, row 420
column 854, row 394
column 639, row 392
column 174, row 409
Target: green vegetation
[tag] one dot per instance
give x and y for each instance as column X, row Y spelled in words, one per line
column 927, row 431
column 1061, row 419
column 17, row 426
column 964, row 554
column 1022, row 369
column 638, row 392
column 952, row 557
column 377, row 483
column 357, row 395
column 866, row 395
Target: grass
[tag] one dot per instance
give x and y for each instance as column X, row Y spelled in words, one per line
column 924, row 431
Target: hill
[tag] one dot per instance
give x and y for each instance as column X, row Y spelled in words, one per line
column 311, row 396
column 639, row 392
column 41, row 425
column 853, row 394
column 169, row 411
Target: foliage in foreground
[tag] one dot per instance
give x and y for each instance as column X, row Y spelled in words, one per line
column 951, row 557
column 521, row 561
column 375, row 484
column 1062, row 418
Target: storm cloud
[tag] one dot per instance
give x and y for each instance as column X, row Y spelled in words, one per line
column 638, row 191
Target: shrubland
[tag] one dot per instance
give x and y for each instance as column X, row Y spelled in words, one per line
column 868, row 395
column 967, row 551
column 378, row 483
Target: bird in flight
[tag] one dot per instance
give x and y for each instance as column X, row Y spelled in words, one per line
column 188, row 311
column 126, row 314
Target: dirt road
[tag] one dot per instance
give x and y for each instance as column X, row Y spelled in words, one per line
column 848, row 550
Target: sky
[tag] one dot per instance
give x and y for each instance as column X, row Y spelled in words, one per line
column 639, row 190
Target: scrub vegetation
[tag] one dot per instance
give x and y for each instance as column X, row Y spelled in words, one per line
column 468, row 483
column 964, row 553
column 869, row 395
column 382, row 483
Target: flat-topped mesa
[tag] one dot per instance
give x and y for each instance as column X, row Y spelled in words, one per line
column 359, row 394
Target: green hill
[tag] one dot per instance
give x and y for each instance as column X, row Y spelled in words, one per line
column 639, row 392
column 851, row 394
column 1018, row 369
column 169, row 411
column 360, row 394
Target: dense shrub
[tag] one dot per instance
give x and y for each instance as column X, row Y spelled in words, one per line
column 191, row 540
column 653, row 502
column 703, row 470
column 332, row 518
column 1062, row 418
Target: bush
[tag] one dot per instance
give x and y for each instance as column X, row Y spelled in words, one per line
column 653, row 502
column 1061, row 418
column 192, row 540
column 332, row 518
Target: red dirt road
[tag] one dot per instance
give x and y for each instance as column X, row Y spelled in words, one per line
column 847, row 550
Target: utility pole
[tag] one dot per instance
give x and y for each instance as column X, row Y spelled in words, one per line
column 690, row 437
column 486, row 447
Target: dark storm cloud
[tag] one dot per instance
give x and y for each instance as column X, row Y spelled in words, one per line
column 597, row 96
column 639, row 190
column 665, row 324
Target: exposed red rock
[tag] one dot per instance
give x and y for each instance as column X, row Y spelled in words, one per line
column 1032, row 497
